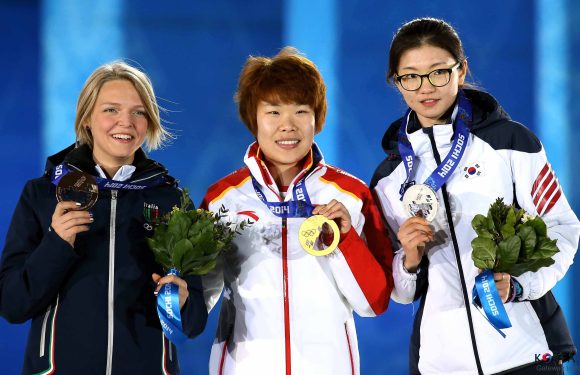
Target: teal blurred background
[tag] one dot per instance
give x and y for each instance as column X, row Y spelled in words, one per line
column 522, row 51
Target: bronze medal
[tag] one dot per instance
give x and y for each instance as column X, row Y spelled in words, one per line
column 78, row 187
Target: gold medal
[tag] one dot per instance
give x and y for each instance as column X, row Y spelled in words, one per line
column 310, row 235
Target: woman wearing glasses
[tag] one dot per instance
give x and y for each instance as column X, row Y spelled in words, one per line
column 449, row 157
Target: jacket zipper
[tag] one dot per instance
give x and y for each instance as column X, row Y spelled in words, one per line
column 286, row 300
column 429, row 131
column 111, row 296
column 43, row 331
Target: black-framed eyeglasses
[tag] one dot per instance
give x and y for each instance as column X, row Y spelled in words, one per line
column 438, row 78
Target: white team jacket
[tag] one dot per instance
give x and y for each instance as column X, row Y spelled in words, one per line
column 502, row 159
column 284, row 310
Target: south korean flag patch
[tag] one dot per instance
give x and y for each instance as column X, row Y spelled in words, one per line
column 472, row 170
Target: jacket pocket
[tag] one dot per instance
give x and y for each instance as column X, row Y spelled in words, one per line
column 169, row 357
column 349, row 345
column 39, row 357
column 43, row 332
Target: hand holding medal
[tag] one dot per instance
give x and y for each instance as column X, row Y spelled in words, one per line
column 421, row 201
column 319, row 234
column 76, row 192
column 421, row 205
column 78, row 187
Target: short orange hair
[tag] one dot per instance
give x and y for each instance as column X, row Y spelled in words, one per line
column 288, row 77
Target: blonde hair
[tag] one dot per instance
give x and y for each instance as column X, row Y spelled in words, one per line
column 157, row 134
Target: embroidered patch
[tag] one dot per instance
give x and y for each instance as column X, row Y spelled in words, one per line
column 151, row 212
column 472, row 171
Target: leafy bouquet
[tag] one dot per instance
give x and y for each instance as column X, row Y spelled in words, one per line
column 190, row 240
column 511, row 241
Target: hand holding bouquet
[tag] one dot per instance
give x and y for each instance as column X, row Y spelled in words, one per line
column 187, row 241
column 511, row 242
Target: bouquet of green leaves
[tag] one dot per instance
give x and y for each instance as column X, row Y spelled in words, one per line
column 190, row 240
column 511, row 241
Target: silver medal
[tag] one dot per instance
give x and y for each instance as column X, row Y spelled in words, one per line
column 421, row 200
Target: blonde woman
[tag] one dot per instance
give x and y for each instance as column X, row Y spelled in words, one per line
column 79, row 266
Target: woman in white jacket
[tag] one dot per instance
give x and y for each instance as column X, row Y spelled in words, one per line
column 285, row 311
column 469, row 159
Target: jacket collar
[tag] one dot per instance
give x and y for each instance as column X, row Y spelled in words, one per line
column 486, row 111
column 81, row 157
column 254, row 160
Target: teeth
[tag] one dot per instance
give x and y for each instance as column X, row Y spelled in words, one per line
column 289, row 142
column 122, row 136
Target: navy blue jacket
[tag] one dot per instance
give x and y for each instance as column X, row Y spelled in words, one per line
column 92, row 306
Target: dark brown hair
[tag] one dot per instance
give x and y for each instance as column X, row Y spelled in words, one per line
column 423, row 31
column 288, row 77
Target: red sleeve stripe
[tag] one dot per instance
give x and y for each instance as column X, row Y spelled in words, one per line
column 549, row 198
column 540, row 177
column 545, row 184
column 378, row 240
column 371, row 261
column 545, row 190
column 232, row 181
column 375, row 284
column 553, row 201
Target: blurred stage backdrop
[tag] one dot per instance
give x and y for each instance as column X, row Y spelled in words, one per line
column 522, row 51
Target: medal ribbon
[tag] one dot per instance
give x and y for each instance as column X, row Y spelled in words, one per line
column 105, row 184
column 168, row 311
column 487, row 296
column 299, row 206
column 444, row 170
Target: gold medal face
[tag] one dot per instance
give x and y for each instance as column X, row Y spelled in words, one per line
column 310, row 235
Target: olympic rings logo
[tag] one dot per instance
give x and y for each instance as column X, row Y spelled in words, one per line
column 147, row 226
column 309, row 233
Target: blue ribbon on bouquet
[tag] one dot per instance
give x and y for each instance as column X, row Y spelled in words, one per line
column 486, row 296
column 168, row 311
